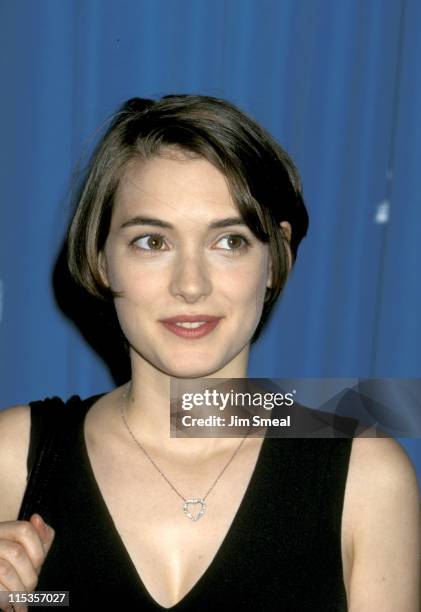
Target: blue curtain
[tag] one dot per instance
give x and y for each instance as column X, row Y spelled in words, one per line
column 335, row 82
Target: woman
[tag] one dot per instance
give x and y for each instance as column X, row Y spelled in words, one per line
column 190, row 220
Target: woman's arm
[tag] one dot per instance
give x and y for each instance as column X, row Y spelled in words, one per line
column 386, row 529
column 23, row 544
column 15, row 426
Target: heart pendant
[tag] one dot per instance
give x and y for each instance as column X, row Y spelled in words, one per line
column 193, row 502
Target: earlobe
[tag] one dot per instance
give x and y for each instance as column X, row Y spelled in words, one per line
column 269, row 276
column 102, row 267
column 287, row 230
column 287, row 233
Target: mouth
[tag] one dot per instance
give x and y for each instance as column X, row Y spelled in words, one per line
column 191, row 326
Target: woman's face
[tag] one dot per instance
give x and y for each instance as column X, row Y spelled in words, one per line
column 177, row 246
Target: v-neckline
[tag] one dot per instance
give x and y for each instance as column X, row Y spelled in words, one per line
column 114, row 533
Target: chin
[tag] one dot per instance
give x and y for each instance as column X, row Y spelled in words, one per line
column 203, row 365
column 191, row 372
column 198, row 366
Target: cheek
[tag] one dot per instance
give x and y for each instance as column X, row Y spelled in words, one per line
column 247, row 290
column 135, row 310
column 135, row 284
column 138, row 295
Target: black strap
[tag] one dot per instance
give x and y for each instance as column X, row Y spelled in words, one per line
column 47, row 421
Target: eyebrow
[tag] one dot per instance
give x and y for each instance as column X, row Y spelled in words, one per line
column 228, row 221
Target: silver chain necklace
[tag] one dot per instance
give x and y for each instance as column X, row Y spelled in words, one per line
column 186, row 502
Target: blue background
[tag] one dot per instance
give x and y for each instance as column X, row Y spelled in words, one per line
column 335, row 82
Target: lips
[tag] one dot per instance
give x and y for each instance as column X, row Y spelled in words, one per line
column 205, row 324
column 190, row 318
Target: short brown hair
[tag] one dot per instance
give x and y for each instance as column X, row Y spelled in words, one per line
column 263, row 180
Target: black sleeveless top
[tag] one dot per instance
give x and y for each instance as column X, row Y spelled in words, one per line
column 282, row 552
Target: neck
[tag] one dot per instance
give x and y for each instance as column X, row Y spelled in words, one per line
column 146, row 407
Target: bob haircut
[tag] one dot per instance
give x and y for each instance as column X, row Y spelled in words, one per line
column 261, row 177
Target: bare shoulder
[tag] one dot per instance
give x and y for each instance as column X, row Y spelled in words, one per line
column 383, row 525
column 381, row 478
column 382, row 465
column 15, row 424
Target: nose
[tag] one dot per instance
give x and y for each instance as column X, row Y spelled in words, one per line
column 190, row 277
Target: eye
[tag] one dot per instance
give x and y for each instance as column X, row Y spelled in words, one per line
column 149, row 242
column 232, row 243
column 235, row 242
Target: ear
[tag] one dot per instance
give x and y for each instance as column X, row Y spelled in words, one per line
column 287, row 233
column 102, row 268
column 286, row 230
column 269, row 277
